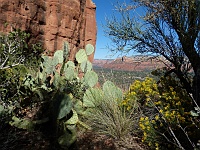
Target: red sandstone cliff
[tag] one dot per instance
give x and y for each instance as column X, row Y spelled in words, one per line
column 52, row 22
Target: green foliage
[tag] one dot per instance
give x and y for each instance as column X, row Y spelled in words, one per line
column 81, row 56
column 166, row 121
column 64, row 105
column 15, row 50
column 5, row 115
column 53, row 94
column 86, row 66
column 111, row 91
column 89, row 49
column 105, row 115
column 66, row 50
column 195, row 112
column 16, row 57
column 90, row 79
column 58, row 57
column 92, row 96
column 71, row 94
column 21, row 123
column 57, row 84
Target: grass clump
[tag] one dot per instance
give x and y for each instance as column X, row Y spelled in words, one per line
column 107, row 116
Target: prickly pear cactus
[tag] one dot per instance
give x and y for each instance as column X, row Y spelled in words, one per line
column 109, row 91
column 82, row 58
column 68, row 98
column 58, row 83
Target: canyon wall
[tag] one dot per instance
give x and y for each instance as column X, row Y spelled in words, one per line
column 51, row 22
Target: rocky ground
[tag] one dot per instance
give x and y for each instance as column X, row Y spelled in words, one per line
column 16, row 139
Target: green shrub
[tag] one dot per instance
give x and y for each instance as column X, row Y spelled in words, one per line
column 15, row 50
column 17, row 56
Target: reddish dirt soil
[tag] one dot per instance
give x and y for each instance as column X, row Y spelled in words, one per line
column 16, row 139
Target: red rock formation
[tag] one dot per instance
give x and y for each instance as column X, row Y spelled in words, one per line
column 52, row 22
column 137, row 63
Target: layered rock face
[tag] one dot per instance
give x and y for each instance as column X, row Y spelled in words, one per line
column 52, row 21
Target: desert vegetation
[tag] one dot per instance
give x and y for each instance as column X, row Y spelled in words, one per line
column 123, row 79
column 50, row 102
column 170, row 29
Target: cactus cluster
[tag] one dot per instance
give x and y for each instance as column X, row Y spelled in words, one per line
column 58, row 83
column 70, row 88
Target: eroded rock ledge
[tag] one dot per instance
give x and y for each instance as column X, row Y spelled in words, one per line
column 52, row 22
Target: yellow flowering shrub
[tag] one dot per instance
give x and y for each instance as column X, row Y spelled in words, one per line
column 166, row 112
column 141, row 92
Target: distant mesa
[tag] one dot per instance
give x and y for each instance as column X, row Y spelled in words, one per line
column 135, row 63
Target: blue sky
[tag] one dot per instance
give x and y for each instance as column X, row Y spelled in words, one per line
column 104, row 9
